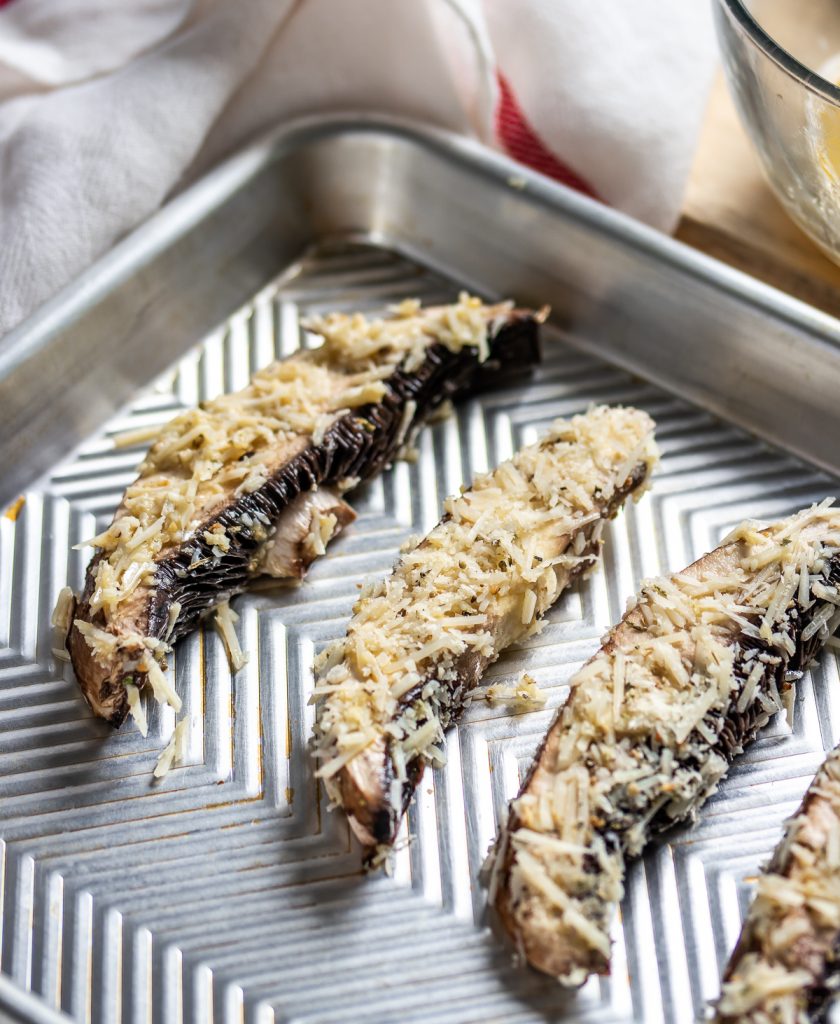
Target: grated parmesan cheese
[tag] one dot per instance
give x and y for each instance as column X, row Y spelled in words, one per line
column 135, row 707
column 141, row 435
column 61, row 620
column 63, row 612
column 172, row 618
column 161, row 688
column 174, row 751
column 321, row 530
column 642, row 739
column 101, row 643
column 226, row 619
column 525, row 695
column 218, row 540
column 419, row 640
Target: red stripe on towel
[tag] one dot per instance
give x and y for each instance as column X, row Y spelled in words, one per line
column 520, row 141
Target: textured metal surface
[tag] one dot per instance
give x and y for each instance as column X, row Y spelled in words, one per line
column 226, row 891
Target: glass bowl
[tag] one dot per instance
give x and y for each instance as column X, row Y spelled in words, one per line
column 782, row 63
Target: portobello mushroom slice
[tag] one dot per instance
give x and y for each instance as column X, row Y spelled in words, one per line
column 253, row 482
column 699, row 663
column 419, row 641
column 786, row 965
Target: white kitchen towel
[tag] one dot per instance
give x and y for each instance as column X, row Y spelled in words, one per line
column 107, row 108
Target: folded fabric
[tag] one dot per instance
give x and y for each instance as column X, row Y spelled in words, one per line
column 107, row 109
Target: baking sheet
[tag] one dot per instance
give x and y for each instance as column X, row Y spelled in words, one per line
column 228, row 882
column 226, row 891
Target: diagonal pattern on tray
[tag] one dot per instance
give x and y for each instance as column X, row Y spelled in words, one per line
column 227, row 886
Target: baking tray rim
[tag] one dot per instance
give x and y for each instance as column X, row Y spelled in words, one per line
column 189, row 207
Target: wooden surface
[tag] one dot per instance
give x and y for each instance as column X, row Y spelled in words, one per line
column 730, row 212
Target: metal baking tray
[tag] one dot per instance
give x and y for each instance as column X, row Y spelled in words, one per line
column 226, row 892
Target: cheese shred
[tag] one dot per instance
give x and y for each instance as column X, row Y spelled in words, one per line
column 226, row 619
column 174, row 751
column 523, row 696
